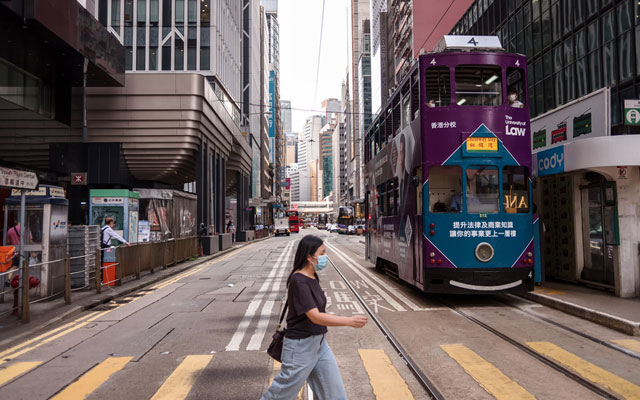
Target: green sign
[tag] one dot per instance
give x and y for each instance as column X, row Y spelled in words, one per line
column 632, row 112
column 582, row 125
column 540, row 138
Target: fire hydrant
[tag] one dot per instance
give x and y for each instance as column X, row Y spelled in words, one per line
column 15, row 283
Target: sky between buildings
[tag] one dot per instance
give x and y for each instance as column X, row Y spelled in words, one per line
column 299, row 39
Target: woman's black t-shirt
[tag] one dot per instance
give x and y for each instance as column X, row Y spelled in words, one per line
column 304, row 294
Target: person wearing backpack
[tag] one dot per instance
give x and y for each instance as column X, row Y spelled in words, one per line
column 107, row 233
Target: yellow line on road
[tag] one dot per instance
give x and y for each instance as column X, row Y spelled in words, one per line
column 631, row 344
column 385, row 379
column 176, row 279
column 51, row 338
column 15, row 370
column 179, row 383
column 92, row 380
column 44, row 335
column 486, row 374
column 588, row 370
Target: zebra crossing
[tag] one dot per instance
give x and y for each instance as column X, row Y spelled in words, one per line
column 384, row 378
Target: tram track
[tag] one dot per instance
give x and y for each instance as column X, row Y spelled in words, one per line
column 428, row 385
column 424, row 381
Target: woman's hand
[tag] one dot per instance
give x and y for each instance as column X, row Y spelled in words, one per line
column 358, row 321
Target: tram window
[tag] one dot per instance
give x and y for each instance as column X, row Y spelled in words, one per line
column 515, row 87
column 478, row 85
column 515, row 189
column 445, row 189
column 482, row 190
column 438, row 86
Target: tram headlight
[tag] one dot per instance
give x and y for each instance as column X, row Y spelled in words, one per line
column 484, row 252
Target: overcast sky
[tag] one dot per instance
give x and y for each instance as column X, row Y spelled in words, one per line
column 299, row 39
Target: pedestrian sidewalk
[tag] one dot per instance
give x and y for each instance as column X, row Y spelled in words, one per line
column 595, row 305
column 46, row 313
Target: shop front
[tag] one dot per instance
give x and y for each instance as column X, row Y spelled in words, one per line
column 586, row 187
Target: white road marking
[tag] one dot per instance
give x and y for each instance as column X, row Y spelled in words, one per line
column 375, row 287
column 265, row 315
column 413, row 306
column 236, row 339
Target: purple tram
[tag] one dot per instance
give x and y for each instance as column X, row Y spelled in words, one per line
column 448, row 175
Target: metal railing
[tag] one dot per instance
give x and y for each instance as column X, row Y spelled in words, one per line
column 131, row 262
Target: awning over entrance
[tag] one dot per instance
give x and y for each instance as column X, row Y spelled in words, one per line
column 605, row 151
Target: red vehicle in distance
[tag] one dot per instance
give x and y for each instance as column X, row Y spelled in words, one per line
column 294, row 221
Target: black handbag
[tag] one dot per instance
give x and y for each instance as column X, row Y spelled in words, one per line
column 275, row 348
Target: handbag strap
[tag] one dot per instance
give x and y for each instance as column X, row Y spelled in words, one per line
column 284, row 311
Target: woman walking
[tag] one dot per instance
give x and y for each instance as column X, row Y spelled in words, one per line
column 306, row 356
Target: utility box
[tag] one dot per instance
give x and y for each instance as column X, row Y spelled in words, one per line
column 45, row 234
column 120, row 204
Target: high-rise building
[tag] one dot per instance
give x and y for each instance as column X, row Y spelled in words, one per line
column 292, row 148
column 359, row 14
column 285, row 110
column 364, row 85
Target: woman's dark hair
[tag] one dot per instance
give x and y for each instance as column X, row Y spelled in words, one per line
column 307, row 247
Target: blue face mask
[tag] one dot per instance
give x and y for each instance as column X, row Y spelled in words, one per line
column 322, row 262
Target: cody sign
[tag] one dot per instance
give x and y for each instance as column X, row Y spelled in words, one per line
column 551, row 161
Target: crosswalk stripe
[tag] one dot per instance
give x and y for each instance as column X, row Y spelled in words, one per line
column 16, row 369
column 588, row 370
column 238, row 336
column 385, row 379
column 486, row 374
column 179, row 383
column 93, row 379
column 631, row 344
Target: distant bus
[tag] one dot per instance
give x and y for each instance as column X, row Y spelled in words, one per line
column 345, row 218
column 448, row 175
column 322, row 221
column 294, row 221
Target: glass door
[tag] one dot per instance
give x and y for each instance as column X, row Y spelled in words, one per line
column 598, row 260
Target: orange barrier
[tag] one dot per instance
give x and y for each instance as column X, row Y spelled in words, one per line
column 6, row 257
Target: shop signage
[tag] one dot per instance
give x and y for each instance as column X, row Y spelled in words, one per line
column 551, row 161
column 482, row 144
column 17, row 179
column 632, row 112
column 583, row 118
column 107, row 200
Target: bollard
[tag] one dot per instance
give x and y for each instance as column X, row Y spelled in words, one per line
column 26, row 316
column 67, row 279
column 98, row 271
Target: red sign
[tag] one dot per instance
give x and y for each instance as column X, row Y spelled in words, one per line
column 79, row 178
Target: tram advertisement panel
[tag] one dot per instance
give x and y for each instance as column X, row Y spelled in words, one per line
column 394, row 169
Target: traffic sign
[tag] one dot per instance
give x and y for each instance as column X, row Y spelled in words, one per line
column 17, row 179
column 632, row 112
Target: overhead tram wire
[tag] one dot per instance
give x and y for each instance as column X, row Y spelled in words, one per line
column 315, row 95
column 436, row 25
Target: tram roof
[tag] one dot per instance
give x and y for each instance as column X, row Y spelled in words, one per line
column 468, row 43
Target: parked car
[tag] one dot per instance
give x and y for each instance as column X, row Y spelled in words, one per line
column 334, row 228
column 351, row 230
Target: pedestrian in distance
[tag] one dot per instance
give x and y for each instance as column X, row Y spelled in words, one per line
column 306, row 355
column 108, row 233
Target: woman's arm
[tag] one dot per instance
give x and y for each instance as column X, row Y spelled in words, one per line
column 319, row 318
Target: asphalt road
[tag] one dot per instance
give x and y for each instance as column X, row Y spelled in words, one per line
column 203, row 335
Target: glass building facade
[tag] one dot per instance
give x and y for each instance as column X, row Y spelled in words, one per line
column 573, row 47
column 178, row 35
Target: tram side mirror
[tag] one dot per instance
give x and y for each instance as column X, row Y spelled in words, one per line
column 415, row 181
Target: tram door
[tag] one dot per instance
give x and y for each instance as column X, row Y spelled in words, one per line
column 600, row 234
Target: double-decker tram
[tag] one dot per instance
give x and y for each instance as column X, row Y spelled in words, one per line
column 294, row 221
column 448, row 164
column 345, row 218
column 322, row 221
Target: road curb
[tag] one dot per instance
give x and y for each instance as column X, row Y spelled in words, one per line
column 125, row 291
column 610, row 321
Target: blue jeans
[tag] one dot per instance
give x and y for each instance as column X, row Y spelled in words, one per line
column 311, row 360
